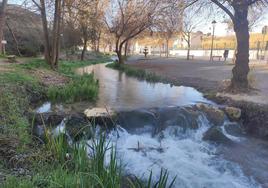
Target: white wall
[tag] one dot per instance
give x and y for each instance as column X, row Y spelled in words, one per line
column 206, row 53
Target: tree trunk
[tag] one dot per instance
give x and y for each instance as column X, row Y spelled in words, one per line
column 84, row 49
column 45, row 32
column 118, row 50
column 2, row 23
column 188, row 45
column 120, row 58
column 167, row 49
column 126, row 49
column 241, row 68
column 98, row 42
column 56, row 34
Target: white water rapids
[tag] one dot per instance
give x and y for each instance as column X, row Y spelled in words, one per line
column 195, row 162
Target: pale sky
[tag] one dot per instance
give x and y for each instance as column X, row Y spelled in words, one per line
column 221, row 28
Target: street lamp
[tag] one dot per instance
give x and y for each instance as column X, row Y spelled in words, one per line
column 263, row 50
column 213, row 34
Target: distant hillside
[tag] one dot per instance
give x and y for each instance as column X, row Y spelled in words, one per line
column 26, row 27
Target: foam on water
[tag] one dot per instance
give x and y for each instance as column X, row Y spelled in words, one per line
column 194, row 162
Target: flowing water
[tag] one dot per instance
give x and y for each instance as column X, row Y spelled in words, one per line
column 119, row 91
column 159, row 127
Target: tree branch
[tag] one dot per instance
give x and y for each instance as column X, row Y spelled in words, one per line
column 226, row 10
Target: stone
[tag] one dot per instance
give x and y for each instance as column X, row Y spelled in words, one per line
column 213, row 114
column 233, row 129
column 214, row 134
column 234, row 114
column 186, row 118
column 48, row 119
column 136, row 120
column 78, row 126
column 98, row 112
column 101, row 116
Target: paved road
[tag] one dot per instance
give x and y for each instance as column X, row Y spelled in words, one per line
column 205, row 75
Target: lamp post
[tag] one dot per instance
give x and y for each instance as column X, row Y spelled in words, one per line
column 264, row 32
column 212, row 42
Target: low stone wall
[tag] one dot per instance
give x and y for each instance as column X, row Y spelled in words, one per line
column 206, row 53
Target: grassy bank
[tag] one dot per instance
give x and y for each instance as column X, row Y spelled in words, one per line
column 22, row 85
column 137, row 73
column 78, row 88
column 26, row 163
column 76, row 170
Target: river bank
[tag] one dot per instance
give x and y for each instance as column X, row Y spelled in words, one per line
column 156, row 120
column 55, row 157
column 201, row 76
column 24, row 86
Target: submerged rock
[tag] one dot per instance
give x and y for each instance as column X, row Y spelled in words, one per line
column 137, row 120
column 213, row 114
column 43, row 121
column 48, row 119
column 233, row 129
column 78, row 126
column 214, row 134
column 233, row 113
column 186, row 118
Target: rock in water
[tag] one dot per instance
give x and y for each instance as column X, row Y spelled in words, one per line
column 233, row 129
column 135, row 121
column 77, row 126
column 233, row 113
column 101, row 116
column 214, row 134
column 213, row 114
column 47, row 119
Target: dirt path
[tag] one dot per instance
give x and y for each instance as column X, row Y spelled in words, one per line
column 206, row 76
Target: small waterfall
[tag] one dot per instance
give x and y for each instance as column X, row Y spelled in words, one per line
column 171, row 139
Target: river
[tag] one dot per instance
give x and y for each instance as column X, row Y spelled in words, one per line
column 157, row 132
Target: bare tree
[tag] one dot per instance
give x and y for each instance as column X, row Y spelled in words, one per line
column 52, row 44
column 238, row 11
column 2, row 23
column 168, row 22
column 127, row 19
column 88, row 17
column 191, row 20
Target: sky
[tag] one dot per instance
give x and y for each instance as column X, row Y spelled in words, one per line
column 220, row 29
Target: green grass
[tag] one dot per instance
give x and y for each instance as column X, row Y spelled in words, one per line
column 82, row 88
column 77, row 170
column 16, row 91
column 71, row 167
column 66, row 68
column 137, row 73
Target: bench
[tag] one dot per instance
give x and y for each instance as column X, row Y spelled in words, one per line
column 11, row 58
column 217, row 57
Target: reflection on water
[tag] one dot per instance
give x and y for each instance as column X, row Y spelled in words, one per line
column 119, row 91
